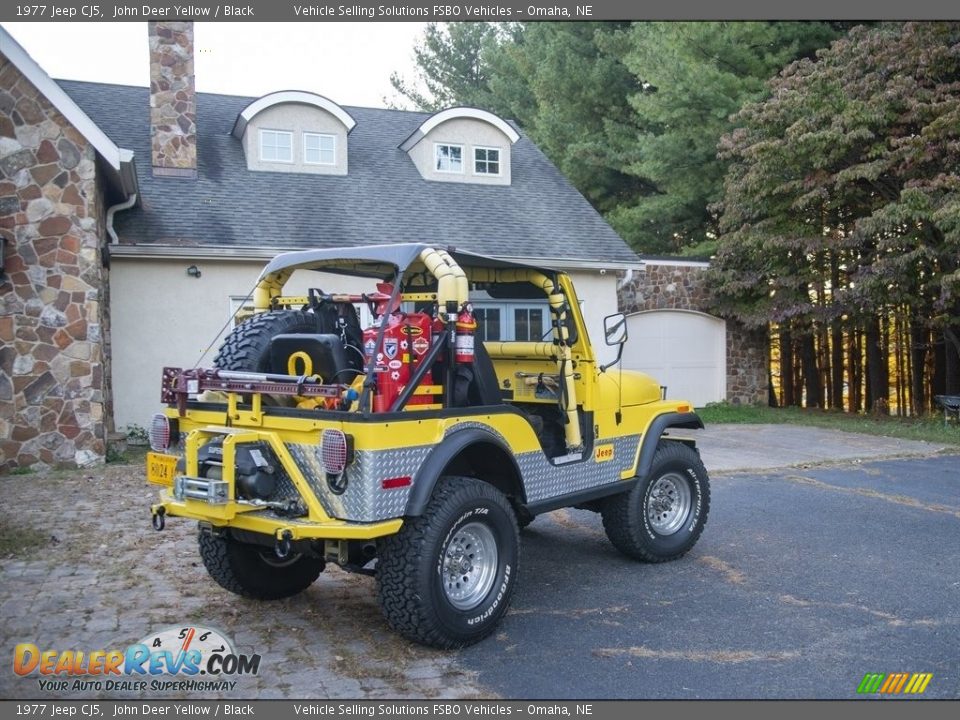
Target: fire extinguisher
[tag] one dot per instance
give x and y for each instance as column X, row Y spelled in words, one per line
column 466, row 326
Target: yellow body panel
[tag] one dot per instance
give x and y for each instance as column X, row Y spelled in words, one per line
column 562, row 372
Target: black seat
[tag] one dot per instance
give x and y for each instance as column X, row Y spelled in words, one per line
column 327, row 354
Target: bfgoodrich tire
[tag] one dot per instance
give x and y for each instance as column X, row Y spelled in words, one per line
column 446, row 579
column 254, row 571
column 663, row 515
column 247, row 347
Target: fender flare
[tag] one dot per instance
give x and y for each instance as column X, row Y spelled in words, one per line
column 440, row 457
column 651, row 438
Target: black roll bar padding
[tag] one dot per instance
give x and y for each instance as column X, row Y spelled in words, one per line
column 425, row 366
column 451, row 373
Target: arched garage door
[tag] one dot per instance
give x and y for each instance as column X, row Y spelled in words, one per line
column 684, row 350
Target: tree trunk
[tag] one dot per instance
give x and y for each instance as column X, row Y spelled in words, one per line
column 854, row 370
column 787, row 396
column 919, row 336
column 836, row 349
column 951, row 368
column 811, row 373
column 878, row 388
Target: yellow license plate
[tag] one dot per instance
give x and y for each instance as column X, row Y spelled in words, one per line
column 161, row 468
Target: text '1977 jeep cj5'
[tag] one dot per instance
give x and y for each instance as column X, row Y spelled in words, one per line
column 406, row 450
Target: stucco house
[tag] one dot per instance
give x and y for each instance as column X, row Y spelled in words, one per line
column 135, row 221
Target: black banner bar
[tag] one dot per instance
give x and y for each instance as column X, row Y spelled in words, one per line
column 494, row 11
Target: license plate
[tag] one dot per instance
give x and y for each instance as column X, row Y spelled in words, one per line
column 161, row 468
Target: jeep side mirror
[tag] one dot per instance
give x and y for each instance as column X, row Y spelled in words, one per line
column 615, row 329
column 615, row 333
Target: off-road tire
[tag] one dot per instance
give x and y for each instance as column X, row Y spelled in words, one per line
column 627, row 517
column 247, row 347
column 252, row 571
column 412, row 579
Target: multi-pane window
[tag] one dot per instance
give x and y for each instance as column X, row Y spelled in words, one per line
column 319, row 149
column 448, row 158
column 276, row 146
column 488, row 323
column 528, row 324
column 507, row 321
column 486, row 161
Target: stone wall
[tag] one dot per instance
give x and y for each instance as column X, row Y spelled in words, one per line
column 660, row 285
column 53, row 383
column 173, row 111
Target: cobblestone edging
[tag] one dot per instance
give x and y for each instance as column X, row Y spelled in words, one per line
column 94, row 575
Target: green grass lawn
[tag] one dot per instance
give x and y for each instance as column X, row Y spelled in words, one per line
column 931, row 429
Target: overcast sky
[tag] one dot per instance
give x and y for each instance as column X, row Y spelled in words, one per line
column 350, row 63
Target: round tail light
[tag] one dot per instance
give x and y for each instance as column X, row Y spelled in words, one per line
column 160, row 433
column 333, row 451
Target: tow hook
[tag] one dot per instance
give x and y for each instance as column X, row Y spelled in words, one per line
column 159, row 521
column 282, row 547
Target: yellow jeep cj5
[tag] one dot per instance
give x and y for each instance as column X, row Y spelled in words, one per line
column 406, row 450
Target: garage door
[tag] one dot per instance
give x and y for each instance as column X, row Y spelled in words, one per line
column 686, row 351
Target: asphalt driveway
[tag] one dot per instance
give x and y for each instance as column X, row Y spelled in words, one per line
column 803, row 581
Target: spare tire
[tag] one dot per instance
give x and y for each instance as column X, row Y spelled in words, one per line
column 247, row 347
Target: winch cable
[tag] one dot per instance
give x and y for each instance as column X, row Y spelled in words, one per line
column 230, row 319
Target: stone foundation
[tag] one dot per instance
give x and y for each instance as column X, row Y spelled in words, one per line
column 662, row 286
column 53, row 386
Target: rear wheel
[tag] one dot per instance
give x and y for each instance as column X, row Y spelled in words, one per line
column 255, row 571
column 446, row 578
column 662, row 516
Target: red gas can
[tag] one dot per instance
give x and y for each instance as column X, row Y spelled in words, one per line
column 406, row 340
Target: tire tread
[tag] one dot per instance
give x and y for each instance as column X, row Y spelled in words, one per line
column 622, row 523
column 401, row 555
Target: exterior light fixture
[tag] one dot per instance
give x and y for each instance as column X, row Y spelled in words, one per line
column 193, row 271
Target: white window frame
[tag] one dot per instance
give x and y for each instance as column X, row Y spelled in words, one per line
column 508, row 327
column 333, row 138
column 436, row 157
column 499, row 151
column 288, row 133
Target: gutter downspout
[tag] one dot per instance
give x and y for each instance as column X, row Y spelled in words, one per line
column 113, row 210
column 114, row 240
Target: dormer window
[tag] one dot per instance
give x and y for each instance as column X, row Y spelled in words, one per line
column 486, row 161
column 295, row 132
column 448, row 158
column 319, row 149
column 463, row 145
column 276, row 146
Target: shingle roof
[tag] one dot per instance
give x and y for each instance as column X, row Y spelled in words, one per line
column 382, row 199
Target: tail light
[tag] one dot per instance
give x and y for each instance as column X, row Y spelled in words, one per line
column 335, row 451
column 163, row 433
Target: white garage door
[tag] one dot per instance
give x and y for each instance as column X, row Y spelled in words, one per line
column 686, row 351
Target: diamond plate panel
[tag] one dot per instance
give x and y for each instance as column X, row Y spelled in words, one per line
column 543, row 480
column 364, row 499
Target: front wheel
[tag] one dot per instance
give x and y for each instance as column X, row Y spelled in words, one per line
column 662, row 516
column 445, row 580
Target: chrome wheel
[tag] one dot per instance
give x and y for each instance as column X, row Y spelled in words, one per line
column 469, row 565
column 668, row 504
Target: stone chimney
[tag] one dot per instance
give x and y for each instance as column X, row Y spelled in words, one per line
column 173, row 99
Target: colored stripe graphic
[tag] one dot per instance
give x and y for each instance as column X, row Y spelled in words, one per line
column 894, row 683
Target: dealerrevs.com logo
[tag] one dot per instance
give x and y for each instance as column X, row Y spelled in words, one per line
column 180, row 658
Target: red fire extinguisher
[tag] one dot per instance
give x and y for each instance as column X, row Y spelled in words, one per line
column 466, row 327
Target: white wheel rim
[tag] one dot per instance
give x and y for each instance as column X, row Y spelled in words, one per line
column 469, row 565
column 668, row 504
